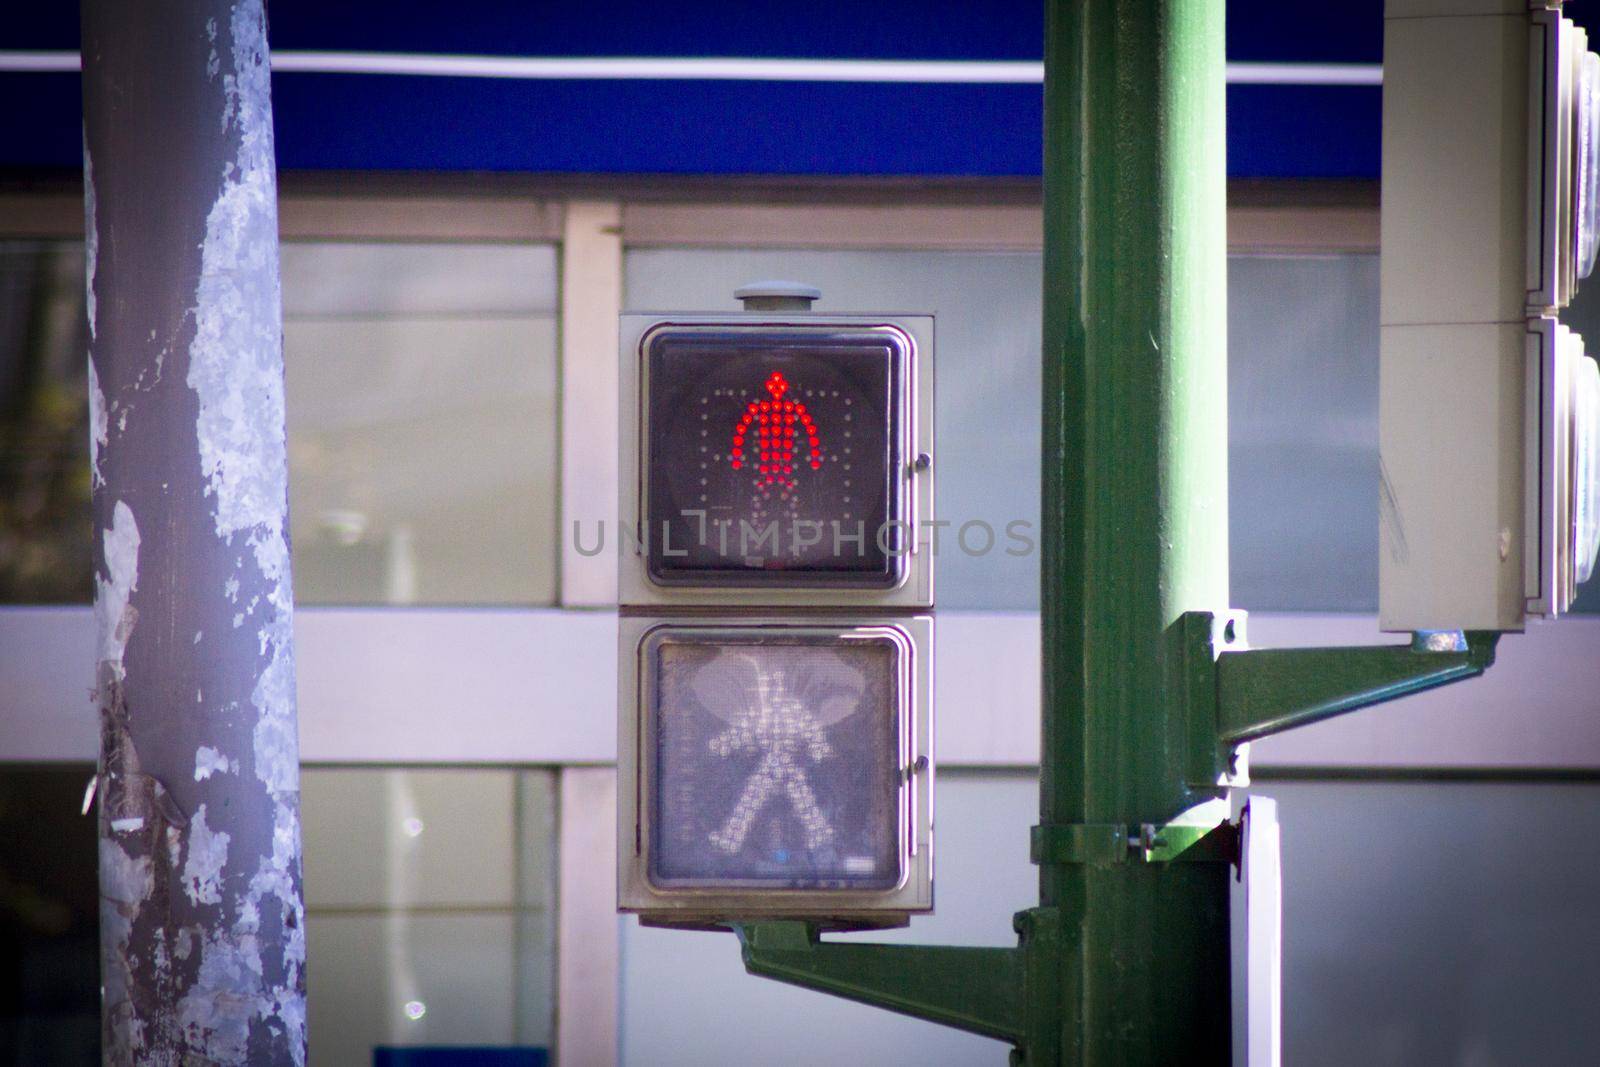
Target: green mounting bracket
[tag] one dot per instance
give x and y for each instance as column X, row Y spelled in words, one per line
column 981, row 990
column 1264, row 691
column 973, row 989
column 1239, row 696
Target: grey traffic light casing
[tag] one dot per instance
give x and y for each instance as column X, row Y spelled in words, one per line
column 829, row 715
column 776, row 474
column 1487, row 225
column 822, row 344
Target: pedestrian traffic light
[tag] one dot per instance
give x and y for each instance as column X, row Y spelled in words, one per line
column 775, row 655
column 768, row 453
column 771, row 459
column 779, row 768
column 1491, row 199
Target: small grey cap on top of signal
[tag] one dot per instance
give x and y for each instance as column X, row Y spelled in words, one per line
column 777, row 296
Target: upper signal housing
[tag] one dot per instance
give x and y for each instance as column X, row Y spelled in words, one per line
column 778, row 456
column 1491, row 199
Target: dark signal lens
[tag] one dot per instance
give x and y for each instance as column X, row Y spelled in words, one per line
column 799, row 406
column 776, row 762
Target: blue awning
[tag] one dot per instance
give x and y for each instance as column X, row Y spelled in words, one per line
column 927, row 89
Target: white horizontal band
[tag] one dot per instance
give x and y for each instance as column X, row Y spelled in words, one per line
column 451, row 685
column 1305, row 74
column 666, row 69
column 906, row 71
column 38, row 62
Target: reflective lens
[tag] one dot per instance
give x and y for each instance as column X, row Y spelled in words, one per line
column 777, row 760
column 1588, row 170
column 774, row 457
column 1586, row 460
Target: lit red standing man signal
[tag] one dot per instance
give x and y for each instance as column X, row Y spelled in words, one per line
column 778, row 425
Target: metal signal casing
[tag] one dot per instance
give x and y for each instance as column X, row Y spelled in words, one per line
column 910, row 490
column 775, row 742
column 672, row 813
column 1488, row 158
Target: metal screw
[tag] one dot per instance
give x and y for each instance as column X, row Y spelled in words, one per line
column 1145, row 841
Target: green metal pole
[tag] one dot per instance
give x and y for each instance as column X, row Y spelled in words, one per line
column 1135, row 521
column 1147, row 686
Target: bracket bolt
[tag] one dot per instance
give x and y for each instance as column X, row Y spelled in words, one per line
column 1145, row 841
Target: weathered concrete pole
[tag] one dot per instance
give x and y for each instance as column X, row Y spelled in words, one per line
column 202, row 924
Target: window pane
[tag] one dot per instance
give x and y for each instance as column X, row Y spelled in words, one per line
column 1303, row 432
column 422, row 422
column 430, row 901
column 1458, row 936
column 49, row 918
column 430, row 909
column 45, row 535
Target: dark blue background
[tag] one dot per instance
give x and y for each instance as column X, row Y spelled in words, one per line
column 385, row 122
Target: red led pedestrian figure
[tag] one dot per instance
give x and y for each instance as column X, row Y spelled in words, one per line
column 774, row 437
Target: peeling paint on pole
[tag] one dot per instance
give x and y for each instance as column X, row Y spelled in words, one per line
column 202, row 921
column 91, row 252
column 114, row 615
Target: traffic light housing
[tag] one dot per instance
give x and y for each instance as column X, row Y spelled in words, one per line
column 777, row 460
column 775, row 646
column 778, row 768
column 1491, row 150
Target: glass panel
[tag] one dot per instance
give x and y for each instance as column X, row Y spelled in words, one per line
column 45, row 536
column 735, row 456
column 453, row 943
column 430, row 909
column 49, row 918
column 1303, row 432
column 1459, row 933
column 322, row 278
column 777, row 761
column 396, row 839
column 986, row 391
column 422, row 422
column 422, row 415
column 1583, row 316
column 404, row 979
